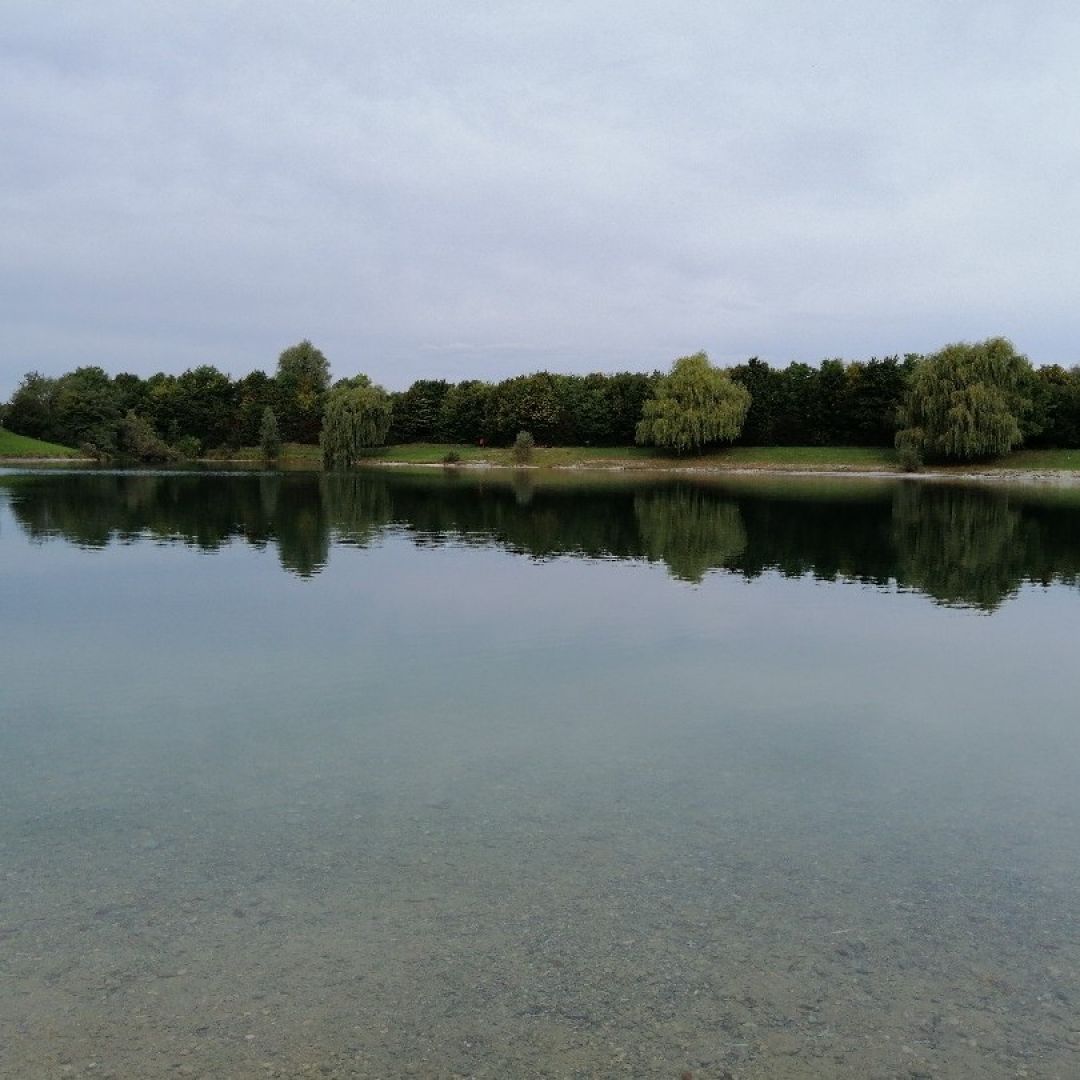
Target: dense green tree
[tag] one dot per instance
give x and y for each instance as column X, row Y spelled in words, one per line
column 764, row 385
column 303, row 379
column 695, row 406
column 203, row 406
column 584, row 408
column 828, row 405
column 252, row 396
column 625, row 394
column 87, row 411
column 32, row 408
column 162, row 406
column 876, row 391
column 526, row 402
column 967, row 401
column 131, row 394
column 357, row 416
column 1055, row 415
column 417, row 411
column 463, row 412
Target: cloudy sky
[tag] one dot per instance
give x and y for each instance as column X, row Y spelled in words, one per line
column 455, row 189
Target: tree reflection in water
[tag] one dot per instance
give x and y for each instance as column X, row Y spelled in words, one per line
column 964, row 545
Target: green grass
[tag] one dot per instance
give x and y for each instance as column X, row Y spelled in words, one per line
column 1037, row 460
column 641, row 457
column 19, row 446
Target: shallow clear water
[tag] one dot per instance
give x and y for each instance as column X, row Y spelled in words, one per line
column 484, row 776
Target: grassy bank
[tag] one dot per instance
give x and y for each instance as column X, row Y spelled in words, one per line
column 772, row 458
column 19, row 446
column 624, row 457
column 643, row 457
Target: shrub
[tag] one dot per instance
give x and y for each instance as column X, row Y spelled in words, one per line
column 523, row 448
column 269, row 436
column 909, row 458
column 137, row 439
column 188, row 447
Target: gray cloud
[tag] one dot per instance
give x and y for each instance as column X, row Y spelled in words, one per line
column 478, row 189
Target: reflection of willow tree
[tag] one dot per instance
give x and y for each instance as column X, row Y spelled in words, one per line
column 357, row 506
column 691, row 530
column 964, row 547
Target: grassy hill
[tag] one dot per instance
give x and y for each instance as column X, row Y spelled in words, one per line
column 19, row 446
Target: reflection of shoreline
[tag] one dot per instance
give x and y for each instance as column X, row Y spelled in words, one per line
column 965, row 544
column 232, row 466
column 1064, row 477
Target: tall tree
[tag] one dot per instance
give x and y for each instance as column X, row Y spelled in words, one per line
column 694, row 406
column 463, row 412
column 303, row 378
column 203, row 406
column 87, row 410
column 253, row 395
column 416, row 411
column 32, row 408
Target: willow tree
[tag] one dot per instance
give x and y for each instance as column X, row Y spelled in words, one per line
column 357, row 415
column 694, row 406
column 966, row 401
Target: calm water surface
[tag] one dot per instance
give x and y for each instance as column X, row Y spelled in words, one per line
column 412, row 775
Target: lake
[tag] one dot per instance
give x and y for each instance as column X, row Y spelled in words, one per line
column 494, row 775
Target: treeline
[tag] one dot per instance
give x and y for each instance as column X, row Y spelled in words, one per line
column 205, row 411
column 201, row 410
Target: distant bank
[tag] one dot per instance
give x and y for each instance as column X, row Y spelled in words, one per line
column 17, row 449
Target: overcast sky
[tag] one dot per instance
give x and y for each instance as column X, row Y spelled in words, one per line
column 457, row 189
